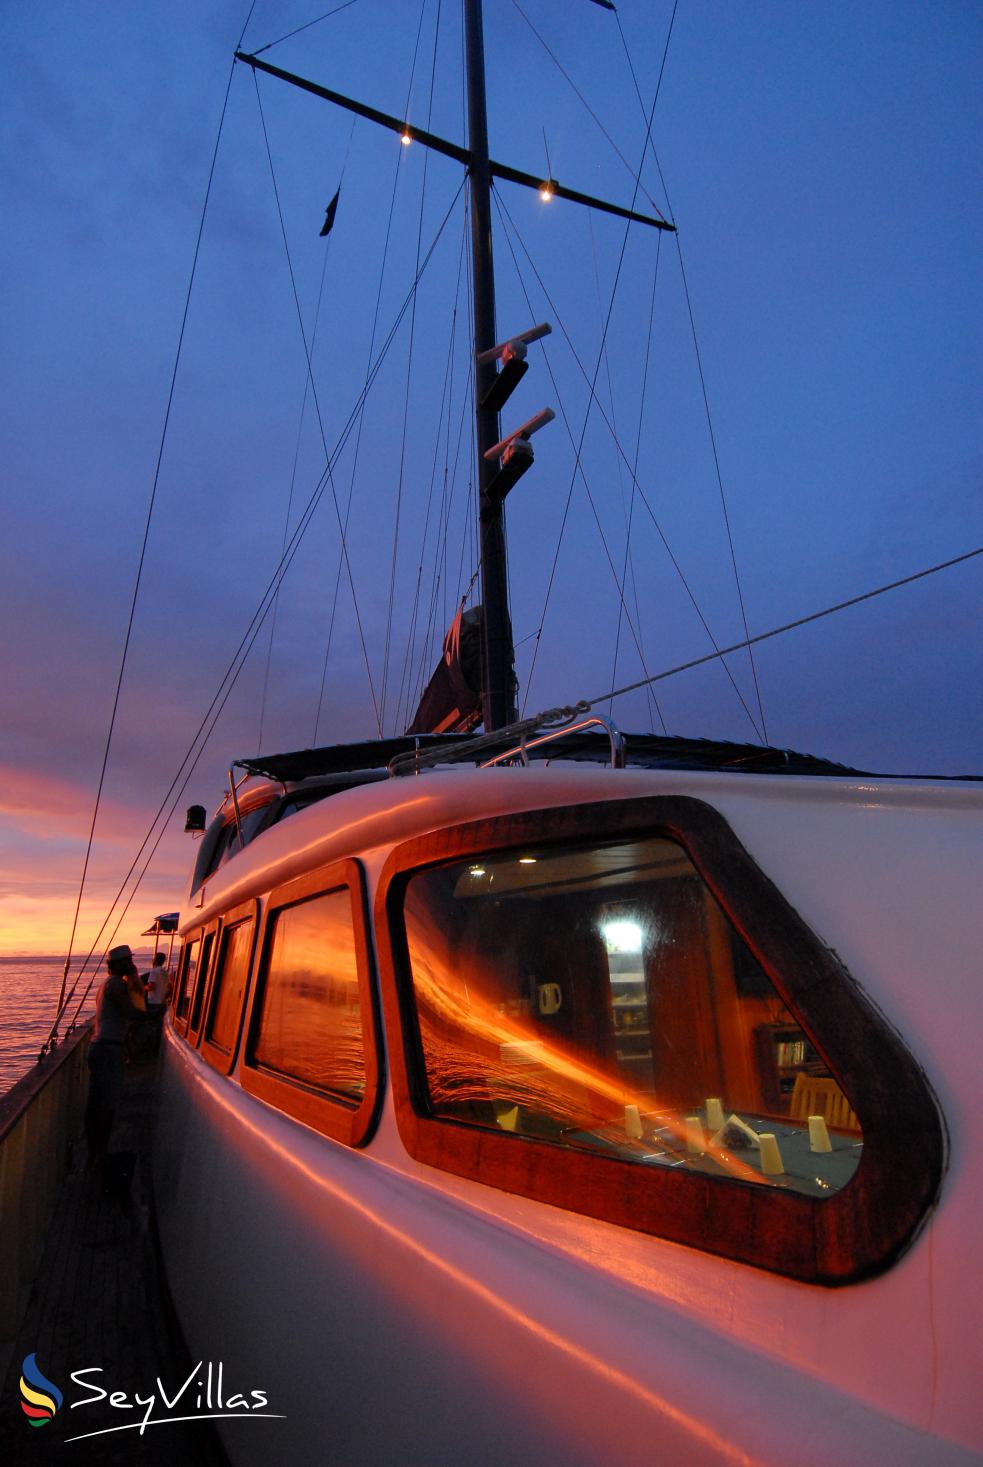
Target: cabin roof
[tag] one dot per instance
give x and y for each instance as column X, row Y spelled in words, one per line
column 643, row 751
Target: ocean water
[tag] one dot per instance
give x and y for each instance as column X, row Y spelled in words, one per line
column 29, row 989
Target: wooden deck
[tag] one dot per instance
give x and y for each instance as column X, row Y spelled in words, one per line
column 100, row 1299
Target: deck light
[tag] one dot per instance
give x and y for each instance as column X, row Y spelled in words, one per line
column 547, row 189
column 194, row 822
column 406, row 137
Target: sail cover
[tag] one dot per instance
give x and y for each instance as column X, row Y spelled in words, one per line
column 451, row 702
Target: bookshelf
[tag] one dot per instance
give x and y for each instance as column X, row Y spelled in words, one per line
column 783, row 1051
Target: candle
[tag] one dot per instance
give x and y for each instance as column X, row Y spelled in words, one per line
column 694, row 1134
column 715, row 1115
column 633, row 1122
column 818, row 1135
column 771, row 1157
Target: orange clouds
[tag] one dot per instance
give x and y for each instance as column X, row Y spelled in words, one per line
column 44, row 827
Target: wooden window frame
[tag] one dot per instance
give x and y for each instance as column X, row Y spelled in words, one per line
column 853, row 1234
column 325, row 1111
column 215, row 1055
column 179, row 1020
column 203, row 978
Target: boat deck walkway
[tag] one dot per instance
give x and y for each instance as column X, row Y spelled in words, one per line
column 100, row 1299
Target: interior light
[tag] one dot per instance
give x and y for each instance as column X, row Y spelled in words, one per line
column 527, row 860
column 476, row 871
column 622, row 937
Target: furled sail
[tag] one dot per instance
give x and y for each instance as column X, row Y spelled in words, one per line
column 451, row 701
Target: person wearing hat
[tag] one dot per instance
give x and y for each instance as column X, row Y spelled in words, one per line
column 114, row 1010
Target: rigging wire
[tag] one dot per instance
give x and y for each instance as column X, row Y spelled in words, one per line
column 641, row 493
column 297, row 444
column 437, row 619
column 749, row 640
column 592, row 385
column 52, row 1038
column 629, row 564
column 786, row 627
column 578, row 466
column 361, row 422
column 403, row 704
column 305, row 27
column 703, row 386
column 573, row 85
column 441, row 583
column 317, row 409
column 409, row 371
column 208, row 722
column 638, row 94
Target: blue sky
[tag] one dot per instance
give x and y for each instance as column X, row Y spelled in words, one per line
column 822, row 163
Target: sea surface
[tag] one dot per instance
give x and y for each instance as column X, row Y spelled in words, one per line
column 29, row 989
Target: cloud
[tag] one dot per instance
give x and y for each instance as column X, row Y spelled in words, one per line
column 48, row 808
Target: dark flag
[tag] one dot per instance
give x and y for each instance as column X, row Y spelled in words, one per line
column 332, row 209
column 451, row 702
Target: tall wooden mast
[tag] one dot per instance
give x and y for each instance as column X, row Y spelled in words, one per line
column 498, row 705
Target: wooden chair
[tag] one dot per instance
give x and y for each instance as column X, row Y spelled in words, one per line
column 814, row 1096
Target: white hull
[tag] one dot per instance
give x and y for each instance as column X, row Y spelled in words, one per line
column 396, row 1312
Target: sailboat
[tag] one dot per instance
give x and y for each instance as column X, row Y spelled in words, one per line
column 561, row 1094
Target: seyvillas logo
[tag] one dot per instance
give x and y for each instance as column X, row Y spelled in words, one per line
column 40, row 1398
column 204, row 1395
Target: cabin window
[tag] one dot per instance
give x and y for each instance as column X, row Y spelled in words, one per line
column 186, row 980
column 197, row 1002
column 229, row 985
column 310, row 1021
column 312, row 1046
column 596, row 997
column 612, row 1009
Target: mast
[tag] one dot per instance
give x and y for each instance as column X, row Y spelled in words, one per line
column 508, row 458
column 498, row 654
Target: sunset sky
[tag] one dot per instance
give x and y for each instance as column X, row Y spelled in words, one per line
column 823, row 165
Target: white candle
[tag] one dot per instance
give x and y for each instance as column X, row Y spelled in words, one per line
column 715, row 1114
column 633, row 1122
column 694, row 1134
column 771, row 1157
column 818, row 1135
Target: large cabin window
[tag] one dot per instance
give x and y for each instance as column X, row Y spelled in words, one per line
column 597, row 997
column 310, row 1021
column 312, row 1047
column 611, row 1008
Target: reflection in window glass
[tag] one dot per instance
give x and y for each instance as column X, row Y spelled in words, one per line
column 310, row 1025
column 199, row 993
column 189, row 965
column 597, row 997
column 230, row 981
